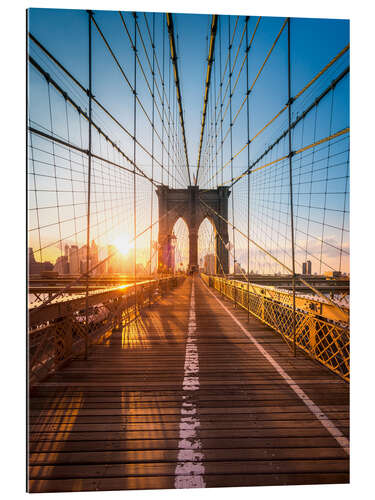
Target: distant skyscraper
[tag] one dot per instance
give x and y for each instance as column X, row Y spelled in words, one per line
column 209, row 263
column 308, row 266
column 62, row 265
column 74, row 263
column 94, row 255
column 237, row 268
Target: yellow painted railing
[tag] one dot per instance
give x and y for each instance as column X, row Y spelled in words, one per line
column 318, row 333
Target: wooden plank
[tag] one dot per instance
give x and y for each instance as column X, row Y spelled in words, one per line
column 113, row 421
column 161, row 482
column 269, row 428
column 217, row 442
column 160, row 469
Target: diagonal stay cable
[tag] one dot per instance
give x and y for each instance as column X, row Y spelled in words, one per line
column 151, row 92
column 82, row 113
column 298, row 151
column 99, row 104
column 103, row 261
column 177, row 83
column 207, row 87
column 164, row 96
column 84, row 151
column 276, row 260
column 220, row 96
column 256, row 78
column 293, row 125
column 227, row 59
column 307, row 86
column 285, row 339
column 125, row 77
column 249, row 90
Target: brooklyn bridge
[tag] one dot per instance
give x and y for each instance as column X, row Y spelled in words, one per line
column 188, row 233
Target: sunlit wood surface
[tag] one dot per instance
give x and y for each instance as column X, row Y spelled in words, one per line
column 113, row 422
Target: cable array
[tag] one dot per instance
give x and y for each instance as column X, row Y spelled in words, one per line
column 283, row 153
column 106, row 131
column 93, row 164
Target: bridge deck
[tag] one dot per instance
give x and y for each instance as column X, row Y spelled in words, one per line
column 184, row 398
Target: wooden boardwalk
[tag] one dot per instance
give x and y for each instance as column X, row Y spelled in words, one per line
column 184, row 398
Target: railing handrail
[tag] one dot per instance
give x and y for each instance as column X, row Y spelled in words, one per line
column 56, row 334
column 323, row 339
column 310, row 305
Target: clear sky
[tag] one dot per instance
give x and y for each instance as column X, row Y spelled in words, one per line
column 314, row 42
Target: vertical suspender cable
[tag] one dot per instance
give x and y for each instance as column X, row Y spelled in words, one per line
column 231, row 139
column 174, row 163
column 54, row 165
column 134, row 159
column 152, row 136
column 212, row 134
column 169, row 115
column 248, row 174
column 208, row 140
column 163, row 106
column 221, row 110
column 216, row 117
column 88, row 189
column 290, row 154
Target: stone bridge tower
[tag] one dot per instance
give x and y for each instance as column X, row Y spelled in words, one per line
column 185, row 203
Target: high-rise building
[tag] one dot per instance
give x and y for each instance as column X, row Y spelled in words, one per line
column 306, row 267
column 209, row 263
column 237, row 268
column 62, row 265
column 74, row 262
column 94, row 255
column 82, row 253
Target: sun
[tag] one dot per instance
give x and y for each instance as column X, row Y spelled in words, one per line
column 123, row 244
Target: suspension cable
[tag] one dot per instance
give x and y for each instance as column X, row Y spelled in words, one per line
column 299, row 118
column 285, row 133
column 99, row 130
column 177, row 83
column 207, row 88
column 287, row 268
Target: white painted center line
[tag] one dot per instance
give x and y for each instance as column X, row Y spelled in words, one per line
column 189, row 472
column 315, row 410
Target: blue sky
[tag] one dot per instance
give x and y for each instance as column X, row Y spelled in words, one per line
column 314, row 42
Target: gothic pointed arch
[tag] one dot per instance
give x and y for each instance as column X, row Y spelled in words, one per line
column 193, row 205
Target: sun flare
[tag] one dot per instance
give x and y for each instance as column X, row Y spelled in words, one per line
column 123, row 243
